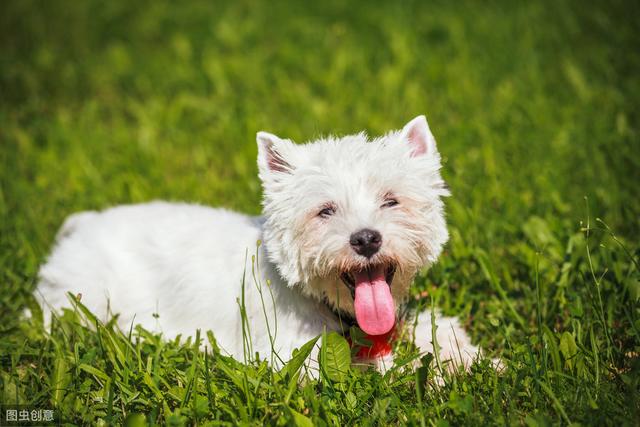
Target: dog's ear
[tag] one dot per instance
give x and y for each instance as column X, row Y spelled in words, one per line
column 419, row 137
column 271, row 154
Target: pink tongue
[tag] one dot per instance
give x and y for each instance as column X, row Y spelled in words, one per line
column 375, row 310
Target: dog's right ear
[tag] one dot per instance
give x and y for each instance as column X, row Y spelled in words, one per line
column 271, row 152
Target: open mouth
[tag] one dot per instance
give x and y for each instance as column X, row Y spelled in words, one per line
column 349, row 277
column 372, row 300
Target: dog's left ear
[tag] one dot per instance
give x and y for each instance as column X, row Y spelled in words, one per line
column 271, row 152
column 419, row 137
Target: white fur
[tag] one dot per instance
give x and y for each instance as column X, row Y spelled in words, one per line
column 177, row 267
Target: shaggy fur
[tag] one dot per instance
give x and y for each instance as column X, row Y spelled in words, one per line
column 177, row 267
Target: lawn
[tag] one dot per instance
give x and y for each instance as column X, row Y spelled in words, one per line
column 536, row 109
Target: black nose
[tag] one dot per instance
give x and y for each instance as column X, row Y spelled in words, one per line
column 366, row 242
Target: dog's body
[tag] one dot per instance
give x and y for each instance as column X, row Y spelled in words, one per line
column 347, row 223
column 177, row 268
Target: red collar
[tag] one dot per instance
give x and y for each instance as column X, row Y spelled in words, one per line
column 374, row 346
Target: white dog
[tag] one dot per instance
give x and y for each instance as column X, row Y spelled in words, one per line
column 347, row 224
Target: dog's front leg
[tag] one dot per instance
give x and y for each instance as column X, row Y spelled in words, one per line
column 453, row 344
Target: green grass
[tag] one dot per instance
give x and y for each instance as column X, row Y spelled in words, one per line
column 536, row 109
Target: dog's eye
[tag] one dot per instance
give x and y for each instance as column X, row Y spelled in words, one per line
column 389, row 203
column 326, row 212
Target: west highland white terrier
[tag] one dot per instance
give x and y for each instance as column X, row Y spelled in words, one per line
column 347, row 223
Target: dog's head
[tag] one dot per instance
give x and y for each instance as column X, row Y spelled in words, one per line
column 350, row 220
